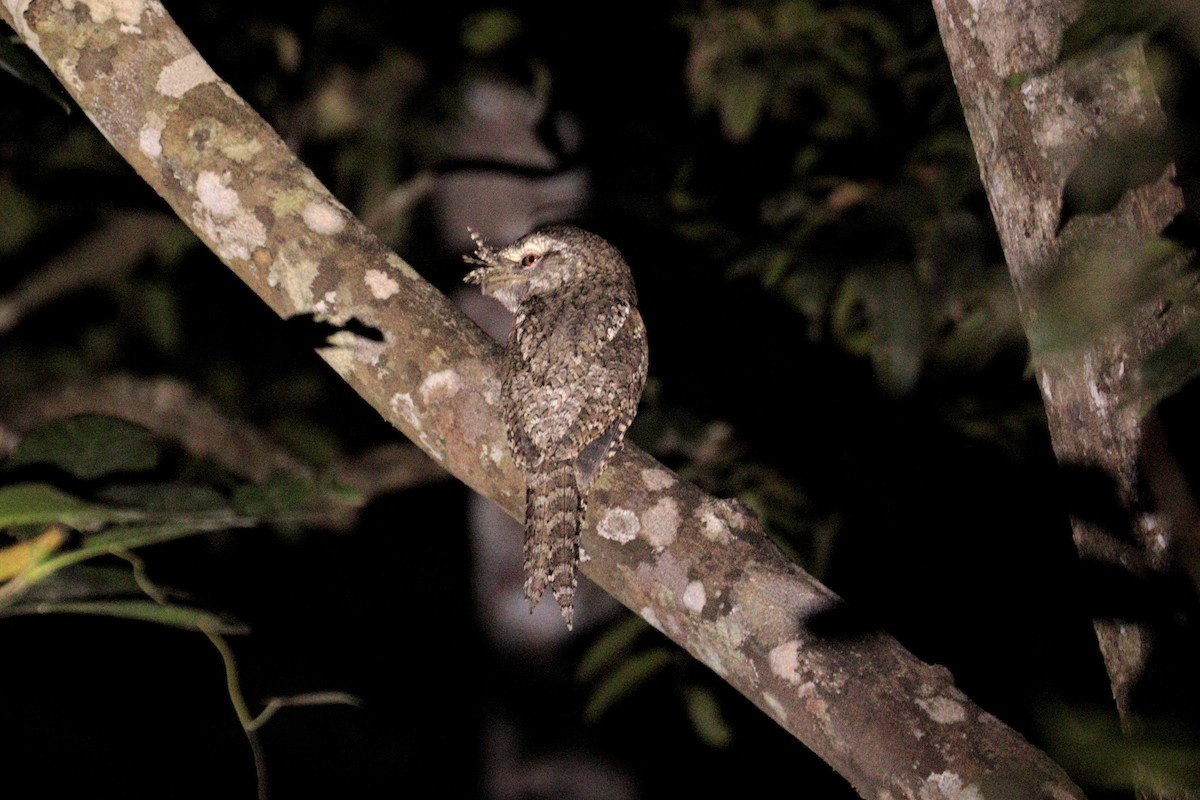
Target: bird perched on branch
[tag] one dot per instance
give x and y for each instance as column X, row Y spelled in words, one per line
column 574, row 369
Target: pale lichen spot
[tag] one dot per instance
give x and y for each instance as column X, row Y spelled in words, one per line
column 216, row 197
column 947, row 786
column 240, row 148
column 784, row 660
column 712, row 527
column 402, row 406
column 943, row 710
column 233, row 231
column 694, row 597
column 340, row 358
column 656, row 479
column 365, row 351
column 381, row 284
column 126, row 12
column 660, row 523
column 440, row 386
column 648, row 614
column 776, row 707
column 732, row 632
column 184, row 74
column 150, row 142
column 326, row 304
column 619, row 525
column 323, row 218
column 296, row 278
column 711, row 655
column 1047, row 389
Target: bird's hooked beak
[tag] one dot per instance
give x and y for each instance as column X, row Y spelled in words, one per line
column 492, row 266
column 496, row 274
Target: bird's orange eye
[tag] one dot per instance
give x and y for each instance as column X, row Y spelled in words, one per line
column 529, row 259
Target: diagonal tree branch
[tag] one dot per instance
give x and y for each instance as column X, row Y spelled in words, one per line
column 698, row 568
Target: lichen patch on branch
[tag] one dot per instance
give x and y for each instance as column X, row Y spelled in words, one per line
column 381, row 285
column 776, row 707
column 694, row 597
column 215, row 196
column 126, row 12
column 619, row 525
column 651, row 616
column 656, row 479
column 184, row 74
column 949, row 786
column 362, row 349
column 150, row 141
column 784, row 660
column 219, row 213
column 712, row 527
column 943, row 710
column 405, row 408
column 323, row 218
column 440, row 386
column 660, row 523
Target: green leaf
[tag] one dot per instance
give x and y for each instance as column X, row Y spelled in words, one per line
column 169, row 498
column 314, row 443
column 21, row 217
column 131, row 537
column 1172, row 366
column 624, row 679
column 84, row 582
column 278, row 494
column 741, row 99
column 1107, row 24
column 1101, row 279
column 143, row 610
column 158, row 314
column 89, row 446
column 704, row 712
column 42, row 504
column 1089, row 743
column 488, row 31
column 609, row 647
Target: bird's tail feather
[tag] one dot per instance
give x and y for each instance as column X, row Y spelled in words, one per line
column 554, row 510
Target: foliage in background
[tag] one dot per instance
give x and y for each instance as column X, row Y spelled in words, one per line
column 870, row 226
column 63, row 553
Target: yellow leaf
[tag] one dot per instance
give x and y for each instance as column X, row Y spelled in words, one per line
column 21, row 556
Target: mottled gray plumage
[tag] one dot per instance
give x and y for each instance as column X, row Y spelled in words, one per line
column 574, row 370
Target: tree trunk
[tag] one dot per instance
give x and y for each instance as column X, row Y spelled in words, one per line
column 1032, row 121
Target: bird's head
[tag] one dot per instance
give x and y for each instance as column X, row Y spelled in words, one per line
column 543, row 262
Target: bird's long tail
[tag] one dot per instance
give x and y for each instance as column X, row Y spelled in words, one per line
column 554, row 510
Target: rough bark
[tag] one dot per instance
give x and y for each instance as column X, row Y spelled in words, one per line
column 698, row 568
column 1031, row 122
